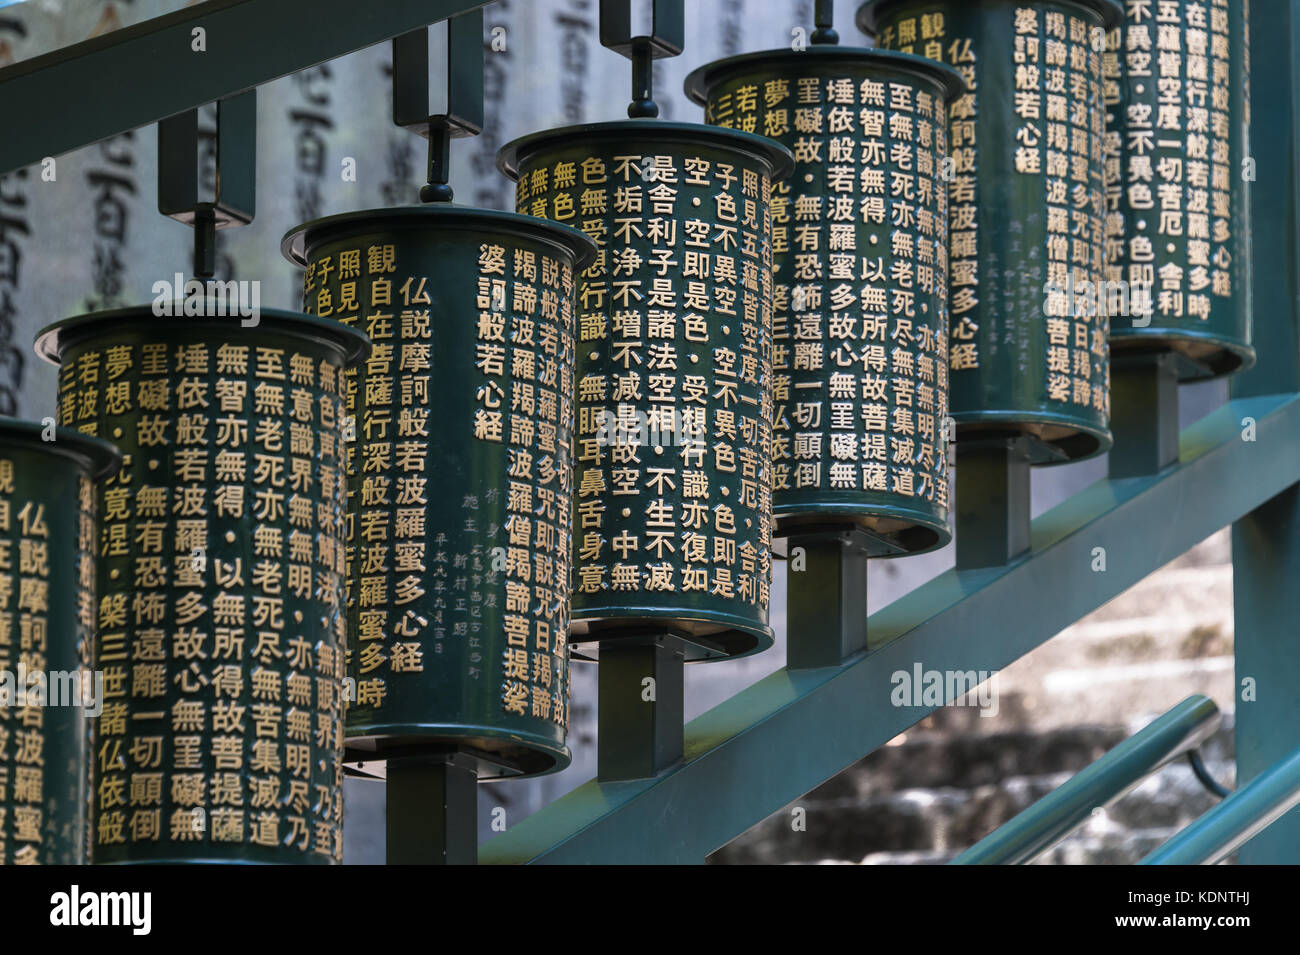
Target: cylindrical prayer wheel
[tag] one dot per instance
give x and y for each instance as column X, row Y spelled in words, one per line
column 460, row 482
column 860, row 263
column 1027, row 348
column 220, row 630
column 47, row 624
column 1177, row 85
column 674, row 374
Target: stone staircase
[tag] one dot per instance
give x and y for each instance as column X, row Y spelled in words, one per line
column 955, row 777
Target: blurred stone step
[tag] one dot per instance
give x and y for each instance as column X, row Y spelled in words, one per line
column 1204, row 591
column 930, row 760
column 1119, row 846
column 908, row 858
column 949, row 820
column 942, row 752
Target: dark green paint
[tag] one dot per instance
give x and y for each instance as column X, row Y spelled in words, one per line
column 734, row 93
column 1212, row 289
column 826, row 603
column 156, row 72
column 431, row 810
column 993, row 499
column 305, row 636
column 714, row 624
column 999, row 223
column 54, row 478
column 464, row 609
column 757, row 752
column 1144, row 418
column 642, row 699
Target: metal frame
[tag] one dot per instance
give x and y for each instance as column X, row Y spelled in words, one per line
column 59, row 101
column 776, row 740
column 1266, row 544
column 755, row 753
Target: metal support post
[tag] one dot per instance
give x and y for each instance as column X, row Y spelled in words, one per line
column 1266, row 542
column 826, row 606
column 1144, row 413
column 432, row 811
column 992, row 501
column 642, row 705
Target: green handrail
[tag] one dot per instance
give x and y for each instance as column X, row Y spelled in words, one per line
column 1239, row 818
column 1063, row 810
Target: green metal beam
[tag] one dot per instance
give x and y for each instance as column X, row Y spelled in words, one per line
column 1266, row 544
column 769, row 744
column 143, row 73
column 1242, row 816
column 1067, row 807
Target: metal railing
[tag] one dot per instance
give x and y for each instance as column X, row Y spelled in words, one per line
column 1242, row 816
column 1063, row 810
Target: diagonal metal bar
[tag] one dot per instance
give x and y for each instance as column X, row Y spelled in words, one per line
column 61, row 100
column 1067, row 807
column 769, row 744
column 1242, row 816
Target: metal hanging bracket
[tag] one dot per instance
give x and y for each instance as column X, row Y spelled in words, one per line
column 234, row 200
column 464, row 113
column 824, row 21
column 667, row 38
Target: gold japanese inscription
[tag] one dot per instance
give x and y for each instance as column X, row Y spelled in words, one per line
column 220, row 633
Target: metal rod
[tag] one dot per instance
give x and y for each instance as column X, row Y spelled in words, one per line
column 1063, row 810
column 1202, row 773
column 437, row 189
column 642, row 706
column 1239, row 818
column 824, row 21
column 205, row 243
column 432, row 811
column 643, row 105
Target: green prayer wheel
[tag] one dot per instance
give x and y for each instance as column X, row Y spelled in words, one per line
column 220, row 629
column 460, row 483
column 674, row 375
column 1028, row 348
column 1177, row 78
column 48, row 692
column 860, row 263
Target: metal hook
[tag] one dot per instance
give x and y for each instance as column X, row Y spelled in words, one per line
column 1203, row 774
